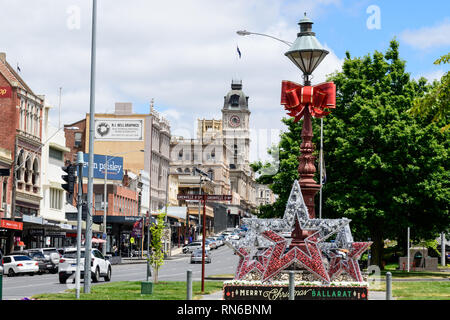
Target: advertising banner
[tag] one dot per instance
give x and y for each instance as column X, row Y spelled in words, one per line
column 5, row 92
column 115, row 167
column 137, row 229
column 119, row 129
column 8, row 224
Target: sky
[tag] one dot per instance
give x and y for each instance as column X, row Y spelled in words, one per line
column 183, row 53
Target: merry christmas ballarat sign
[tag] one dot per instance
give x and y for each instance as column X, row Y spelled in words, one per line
column 268, row 292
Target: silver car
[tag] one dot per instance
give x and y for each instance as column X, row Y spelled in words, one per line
column 196, row 256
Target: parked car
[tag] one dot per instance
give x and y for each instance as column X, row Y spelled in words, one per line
column 196, row 256
column 211, row 243
column 234, row 237
column 100, row 265
column 189, row 248
column 217, row 240
column 44, row 265
column 15, row 264
column 50, row 255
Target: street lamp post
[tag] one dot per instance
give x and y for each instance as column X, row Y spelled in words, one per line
column 90, row 189
column 307, row 53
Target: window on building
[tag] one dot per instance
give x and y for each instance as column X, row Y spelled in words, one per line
column 211, row 174
column 4, row 190
column 55, row 154
column 78, row 137
column 56, row 196
column 98, row 201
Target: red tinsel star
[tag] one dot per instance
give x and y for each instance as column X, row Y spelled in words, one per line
column 279, row 261
column 348, row 264
column 247, row 263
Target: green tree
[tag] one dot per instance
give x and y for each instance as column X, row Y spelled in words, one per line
column 157, row 254
column 386, row 170
column 435, row 105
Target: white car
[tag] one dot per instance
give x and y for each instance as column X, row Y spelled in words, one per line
column 218, row 241
column 100, row 266
column 16, row 264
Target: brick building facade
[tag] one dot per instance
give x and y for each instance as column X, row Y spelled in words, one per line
column 20, row 151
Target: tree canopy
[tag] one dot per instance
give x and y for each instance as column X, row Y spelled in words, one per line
column 435, row 104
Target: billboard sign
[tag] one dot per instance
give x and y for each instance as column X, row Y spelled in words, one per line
column 115, row 167
column 119, row 129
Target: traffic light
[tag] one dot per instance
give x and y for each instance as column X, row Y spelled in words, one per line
column 70, row 178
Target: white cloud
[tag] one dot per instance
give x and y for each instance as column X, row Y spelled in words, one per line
column 181, row 53
column 428, row 37
column 431, row 75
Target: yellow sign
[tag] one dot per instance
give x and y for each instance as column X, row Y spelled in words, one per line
column 131, row 240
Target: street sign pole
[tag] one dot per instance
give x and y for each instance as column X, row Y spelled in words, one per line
column 203, row 243
column 204, row 198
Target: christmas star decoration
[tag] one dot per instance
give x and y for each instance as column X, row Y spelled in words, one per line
column 310, row 259
column 248, row 263
column 272, row 245
column 342, row 261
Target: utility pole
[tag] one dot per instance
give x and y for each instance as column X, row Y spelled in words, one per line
column 407, row 247
column 443, row 247
column 79, row 220
column 105, row 196
column 88, row 237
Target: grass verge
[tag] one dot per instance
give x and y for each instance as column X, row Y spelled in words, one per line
column 423, row 290
column 131, row 290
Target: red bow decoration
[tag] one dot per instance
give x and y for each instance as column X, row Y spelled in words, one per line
column 296, row 97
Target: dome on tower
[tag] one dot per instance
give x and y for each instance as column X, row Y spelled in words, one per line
column 236, row 98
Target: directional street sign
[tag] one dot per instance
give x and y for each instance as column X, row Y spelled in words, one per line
column 209, row 197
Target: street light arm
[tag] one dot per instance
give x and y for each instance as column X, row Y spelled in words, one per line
column 246, row 33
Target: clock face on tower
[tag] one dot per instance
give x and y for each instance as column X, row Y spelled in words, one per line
column 235, row 121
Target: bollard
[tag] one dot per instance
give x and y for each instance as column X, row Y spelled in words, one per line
column 189, row 285
column 1, row 282
column 388, row 286
column 291, row 286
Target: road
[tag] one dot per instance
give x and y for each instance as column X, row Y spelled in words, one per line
column 223, row 262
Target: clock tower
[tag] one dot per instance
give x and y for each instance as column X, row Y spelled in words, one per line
column 235, row 127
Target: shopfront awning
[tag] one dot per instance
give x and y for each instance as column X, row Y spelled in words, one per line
column 177, row 213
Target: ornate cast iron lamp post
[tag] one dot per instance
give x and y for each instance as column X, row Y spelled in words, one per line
column 307, row 101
